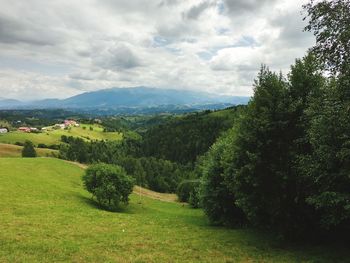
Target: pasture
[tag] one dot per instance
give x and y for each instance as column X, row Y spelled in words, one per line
column 54, row 136
column 47, row 216
column 10, row 150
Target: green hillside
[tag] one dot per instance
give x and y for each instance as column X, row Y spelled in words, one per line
column 10, row 150
column 184, row 138
column 46, row 216
column 54, row 136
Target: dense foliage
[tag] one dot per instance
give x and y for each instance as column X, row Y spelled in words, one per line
column 217, row 199
column 109, row 184
column 183, row 139
column 286, row 166
column 156, row 174
column 28, row 150
column 187, row 188
column 158, row 164
column 329, row 21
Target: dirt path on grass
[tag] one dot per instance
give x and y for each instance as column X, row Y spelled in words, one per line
column 155, row 195
column 83, row 166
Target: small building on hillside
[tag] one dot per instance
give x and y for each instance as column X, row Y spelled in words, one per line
column 70, row 123
column 4, row 130
column 33, row 129
column 24, row 129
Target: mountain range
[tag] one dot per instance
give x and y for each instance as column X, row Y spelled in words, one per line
column 136, row 97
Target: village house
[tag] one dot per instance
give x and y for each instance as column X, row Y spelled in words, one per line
column 70, row 123
column 24, row 129
column 4, row 130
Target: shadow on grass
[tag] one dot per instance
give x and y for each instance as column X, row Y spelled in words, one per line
column 122, row 208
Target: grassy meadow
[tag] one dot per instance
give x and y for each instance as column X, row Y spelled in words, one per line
column 54, row 136
column 47, row 216
column 10, row 150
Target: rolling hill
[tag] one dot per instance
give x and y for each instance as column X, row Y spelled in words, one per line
column 46, row 216
column 10, row 150
column 54, row 137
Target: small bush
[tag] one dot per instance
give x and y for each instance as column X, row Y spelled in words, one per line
column 185, row 188
column 28, row 149
column 109, row 184
column 194, row 199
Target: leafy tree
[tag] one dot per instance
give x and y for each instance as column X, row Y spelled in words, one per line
column 328, row 166
column 109, row 184
column 261, row 152
column 329, row 21
column 216, row 197
column 28, row 150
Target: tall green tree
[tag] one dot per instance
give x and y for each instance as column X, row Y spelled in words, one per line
column 328, row 165
column 330, row 23
column 28, row 150
column 258, row 163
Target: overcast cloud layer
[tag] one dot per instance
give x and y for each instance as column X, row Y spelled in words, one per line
column 61, row 48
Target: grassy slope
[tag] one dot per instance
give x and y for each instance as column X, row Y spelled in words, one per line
column 46, row 216
column 10, row 150
column 54, row 137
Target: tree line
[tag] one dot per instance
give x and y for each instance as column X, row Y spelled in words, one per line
column 285, row 164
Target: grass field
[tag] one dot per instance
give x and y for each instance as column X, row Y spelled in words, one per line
column 46, row 216
column 10, row 150
column 54, row 136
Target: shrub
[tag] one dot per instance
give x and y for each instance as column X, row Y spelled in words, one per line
column 185, row 188
column 28, row 149
column 109, row 184
column 194, row 200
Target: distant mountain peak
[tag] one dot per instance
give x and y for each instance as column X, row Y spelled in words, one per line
column 139, row 96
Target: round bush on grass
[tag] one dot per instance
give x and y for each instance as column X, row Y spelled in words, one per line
column 109, row 184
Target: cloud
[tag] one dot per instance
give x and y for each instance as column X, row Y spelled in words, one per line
column 195, row 11
column 60, row 48
column 13, row 31
column 242, row 7
column 117, row 57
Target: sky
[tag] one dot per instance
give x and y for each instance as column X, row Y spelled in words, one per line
column 60, row 48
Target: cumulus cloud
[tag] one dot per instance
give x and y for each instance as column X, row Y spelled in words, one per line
column 61, row 48
column 117, row 58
